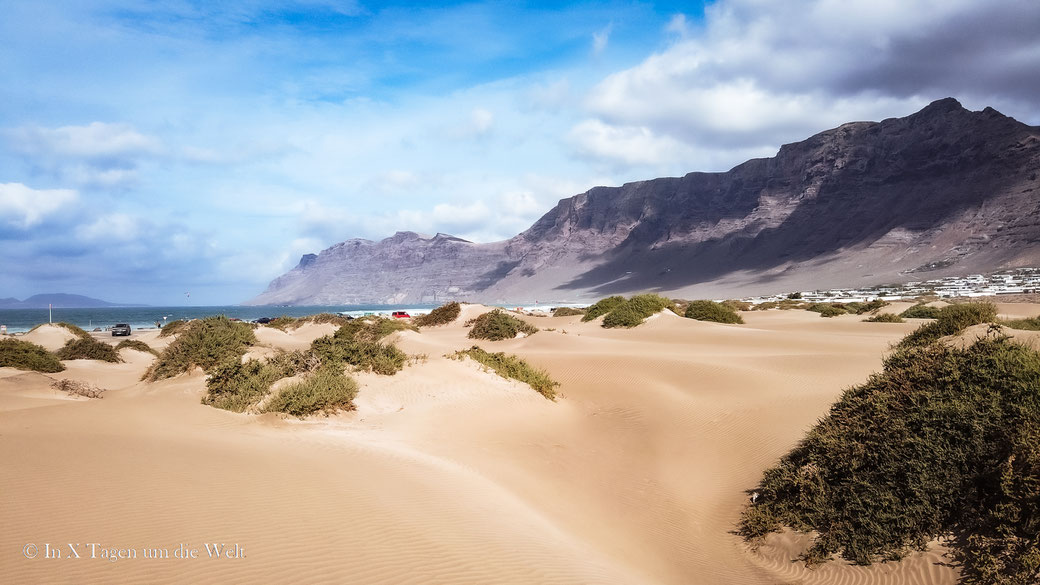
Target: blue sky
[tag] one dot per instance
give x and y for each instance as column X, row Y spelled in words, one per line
column 148, row 149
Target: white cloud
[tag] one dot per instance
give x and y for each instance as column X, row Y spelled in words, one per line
column 25, row 207
column 600, row 39
column 760, row 74
column 97, row 140
column 112, row 227
column 481, row 121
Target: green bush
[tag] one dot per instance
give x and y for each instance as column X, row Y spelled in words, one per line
column 202, row 343
column 884, row 318
column 442, row 315
column 372, row 328
column 283, row 323
column 827, row 309
column 871, row 307
column 712, row 311
column 1032, row 324
column 920, row 311
column 602, row 307
column 951, row 320
column 737, row 305
column 173, row 328
column 497, row 325
column 567, row 312
column 943, row 441
column 136, row 344
column 381, row 358
column 88, row 349
column 236, row 386
column 511, row 366
column 632, row 312
column 326, row 390
column 23, row 355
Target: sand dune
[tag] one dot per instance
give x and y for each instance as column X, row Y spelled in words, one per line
column 445, row 473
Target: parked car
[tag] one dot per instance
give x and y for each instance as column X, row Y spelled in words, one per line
column 400, row 315
column 120, row 329
column 262, row 320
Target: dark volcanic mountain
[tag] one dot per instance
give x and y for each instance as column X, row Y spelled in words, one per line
column 943, row 191
column 59, row 301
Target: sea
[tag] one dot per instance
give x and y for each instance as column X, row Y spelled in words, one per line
column 22, row 320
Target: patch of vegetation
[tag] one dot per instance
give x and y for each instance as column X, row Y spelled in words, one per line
column 511, row 366
column 23, row 355
column 283, row 323
column 202, row 343
column 943, row 441
column 567, row 312
column 136, row 344
column 871, row 307
column 827, row 309
column 737, row 305
column 497, row 325
column 327, row 390
column 765, row 306
column 951, row 320
column 712, row 311
column 238, row 387
column 357, row 344
column 88, row 349
column 442, row 315
column 602, row 307
column 173, row 328
column 884, row 318
column 1031, row 324
column 632, row 312
column 78, row 388
column 920, row 311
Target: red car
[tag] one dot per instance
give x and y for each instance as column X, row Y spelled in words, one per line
column 400, row 315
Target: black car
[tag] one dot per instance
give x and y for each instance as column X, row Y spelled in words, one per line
column 120, row 329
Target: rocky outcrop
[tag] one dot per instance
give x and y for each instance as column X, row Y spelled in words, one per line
column 943, row 191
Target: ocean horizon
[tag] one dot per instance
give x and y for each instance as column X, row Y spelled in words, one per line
column 22, row 320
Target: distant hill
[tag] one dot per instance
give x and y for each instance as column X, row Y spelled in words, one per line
column 942, row 192
column 60, row 301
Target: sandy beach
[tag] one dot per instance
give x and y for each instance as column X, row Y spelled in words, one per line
column 445, row 473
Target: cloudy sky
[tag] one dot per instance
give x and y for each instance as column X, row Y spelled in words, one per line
column 148, row 149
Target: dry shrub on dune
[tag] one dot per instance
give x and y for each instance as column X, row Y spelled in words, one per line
column 944, row 441
column 327, row 390
column 497, row 325
column 712, row 311
column 202, row 343
column 88, row 348
column 442, row 315
column 511, row 366
column 23, row 355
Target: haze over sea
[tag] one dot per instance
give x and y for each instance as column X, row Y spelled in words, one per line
column 21, row 320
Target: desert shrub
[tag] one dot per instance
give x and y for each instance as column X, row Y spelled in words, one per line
column 795, row 296
column 567, row 312
column 372, row 328
column 511, row 366
column 737, row 305
column 77, row 388
column 202, row 343
column 712, row 311
column 920, row 311
column 765, row 306
column 497, row 325
column 236, row 386
column 381, row 358
column 789, row 304
column 952, row 320
column 871, row 307
column 442, row 315
column 1031, row 324
column 602, row 307
column 88, row 349
column 136, row 344
column 283, row 323
column 827, row 309
column 326, row 390
column 944, row 440
column 321, row 318
column 884, row 318
column 23, row 355
column 633, row 311
column 173, row 328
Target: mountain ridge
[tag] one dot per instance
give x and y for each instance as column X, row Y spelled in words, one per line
column 944, row 191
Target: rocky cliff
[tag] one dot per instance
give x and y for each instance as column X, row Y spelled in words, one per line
column 943, row 191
